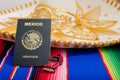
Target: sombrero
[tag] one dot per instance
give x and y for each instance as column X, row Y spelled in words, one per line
column 75, row 23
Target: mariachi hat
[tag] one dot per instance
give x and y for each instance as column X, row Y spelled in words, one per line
column 75, row 23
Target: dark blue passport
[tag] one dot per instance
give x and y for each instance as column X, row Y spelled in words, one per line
column 32, row 46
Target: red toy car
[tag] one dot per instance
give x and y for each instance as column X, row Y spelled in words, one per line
column 53, row 63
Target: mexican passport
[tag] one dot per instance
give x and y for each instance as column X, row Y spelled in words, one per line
column 32, row 46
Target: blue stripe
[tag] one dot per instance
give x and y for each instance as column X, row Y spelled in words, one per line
column 7, row 68
column 21, row 73
column 86, row 64
column 31, row 73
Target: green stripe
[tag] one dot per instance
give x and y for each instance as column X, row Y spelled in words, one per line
column 112, row 55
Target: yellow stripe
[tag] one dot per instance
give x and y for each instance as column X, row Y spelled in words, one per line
column 1, row 13
column 21, row 7
column 109, row 65
column 26, row 5
column 113, row 3
column 108, row 1
column 119, row 8
column 30, row 4
column 12, row 9
column 5, row 11
column 9, row 10
column 106, row 62
column 35, row 2
column 14, row 72
column 18, row 8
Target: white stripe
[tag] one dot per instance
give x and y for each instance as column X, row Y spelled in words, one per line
column 28, row 78
column 8, row 52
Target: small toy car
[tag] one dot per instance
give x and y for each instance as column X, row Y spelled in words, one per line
column 53, row 63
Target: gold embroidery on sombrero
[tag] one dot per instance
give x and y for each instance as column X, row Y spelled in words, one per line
column 113, row 3
column 63, row 23
column 90, row 20
column 83, row 26
column 10, row 10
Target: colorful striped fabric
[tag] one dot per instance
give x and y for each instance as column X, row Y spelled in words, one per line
column 111, row 59
column 9, row 72
column 61, row 72
column 78, row 64
column 4, row 45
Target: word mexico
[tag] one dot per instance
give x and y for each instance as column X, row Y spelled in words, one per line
column 33, row 24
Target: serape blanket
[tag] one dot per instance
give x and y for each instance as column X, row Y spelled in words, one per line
column 78, row 64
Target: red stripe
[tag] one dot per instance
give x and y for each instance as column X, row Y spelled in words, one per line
column 28, row 74
column 5, row 58
column 60, row 73
column 67, row 65
column 36, row 75
column 39, row 71
column 105, row 65
column 3, row 47
column 11, row 74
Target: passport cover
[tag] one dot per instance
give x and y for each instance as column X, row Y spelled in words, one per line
column 32, row 47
